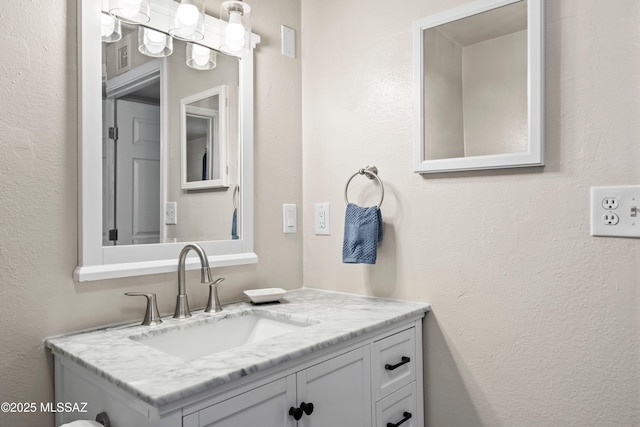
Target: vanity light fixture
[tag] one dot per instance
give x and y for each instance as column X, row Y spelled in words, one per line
column 186, row 23
column 200, row 57
column 235, row 37
column 111, row 28
column 131, row 11
column 188, row 20
column 154, row 43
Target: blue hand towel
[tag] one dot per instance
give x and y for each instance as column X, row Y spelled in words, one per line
column 204, row 166
column 362, row 233
column 234, row 225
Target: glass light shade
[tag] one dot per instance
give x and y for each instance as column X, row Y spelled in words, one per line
column 111, row 28
column 154, row 43
column 236, row 35
column 131, row 11
column 188, row 20
column 200, row 57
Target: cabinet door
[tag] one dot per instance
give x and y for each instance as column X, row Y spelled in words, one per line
column 339, row 389
column 265, row 406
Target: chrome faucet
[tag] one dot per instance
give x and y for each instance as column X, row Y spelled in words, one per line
column 182, row 305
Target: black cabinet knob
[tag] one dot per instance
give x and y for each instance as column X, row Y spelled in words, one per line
column 307, row 407
column 296, row 413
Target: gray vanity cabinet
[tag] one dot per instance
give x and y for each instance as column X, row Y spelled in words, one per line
column 339, row 390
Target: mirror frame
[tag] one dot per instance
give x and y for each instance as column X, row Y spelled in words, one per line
column 534, row 156
column 96, row 262
column 223, row 138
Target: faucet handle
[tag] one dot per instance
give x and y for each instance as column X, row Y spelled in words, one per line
column 151, row 315
column 213, row 305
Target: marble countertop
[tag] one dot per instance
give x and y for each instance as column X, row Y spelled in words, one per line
column 159, row 378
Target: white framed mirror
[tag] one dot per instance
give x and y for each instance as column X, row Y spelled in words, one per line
column 479, row 87
column 100, row 259
column 203, row 139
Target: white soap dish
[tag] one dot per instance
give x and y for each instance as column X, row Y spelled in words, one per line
column 259, row 296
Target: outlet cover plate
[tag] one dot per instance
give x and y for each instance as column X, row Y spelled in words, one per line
column 615, row 211
column 322, row 219
column 171, row 213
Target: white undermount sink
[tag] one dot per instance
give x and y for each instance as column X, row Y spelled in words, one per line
column 219, row 334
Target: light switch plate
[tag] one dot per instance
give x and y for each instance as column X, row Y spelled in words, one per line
column 289, row 218
column 615, row 211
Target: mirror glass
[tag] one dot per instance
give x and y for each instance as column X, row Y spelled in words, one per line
column 479, row 73
column 204, row 139
column 135, row 215
column 194, row 155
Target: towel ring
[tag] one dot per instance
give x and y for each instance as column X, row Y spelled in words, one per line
column 236, row 193
column 370, row 172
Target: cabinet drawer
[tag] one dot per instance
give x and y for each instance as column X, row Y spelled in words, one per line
column 394, row 363
column 399, row 409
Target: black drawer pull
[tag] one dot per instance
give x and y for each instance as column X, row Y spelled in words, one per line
column 404, row 359
column 407, row 417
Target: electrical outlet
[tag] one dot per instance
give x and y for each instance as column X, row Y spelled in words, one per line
column 323, row 219
column 610, row 203
column 614, row 211
column 610, row 219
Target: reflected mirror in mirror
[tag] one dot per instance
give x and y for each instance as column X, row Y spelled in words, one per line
column 198, row 134
column 480, row 79
column 204, row 139
column 152, row 107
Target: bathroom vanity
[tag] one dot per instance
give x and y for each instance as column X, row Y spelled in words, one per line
column 316, row 359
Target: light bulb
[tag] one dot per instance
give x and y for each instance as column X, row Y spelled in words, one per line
column 187, row 23
column 200, row 55
column 234, row 33
column 187, row 14
column 129, row 8
column 155, row 41
column 108, row 25
column 110, row 28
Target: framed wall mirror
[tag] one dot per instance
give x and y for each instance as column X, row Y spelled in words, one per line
column 121, row 94
column 203, row 123
column 479, row 87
